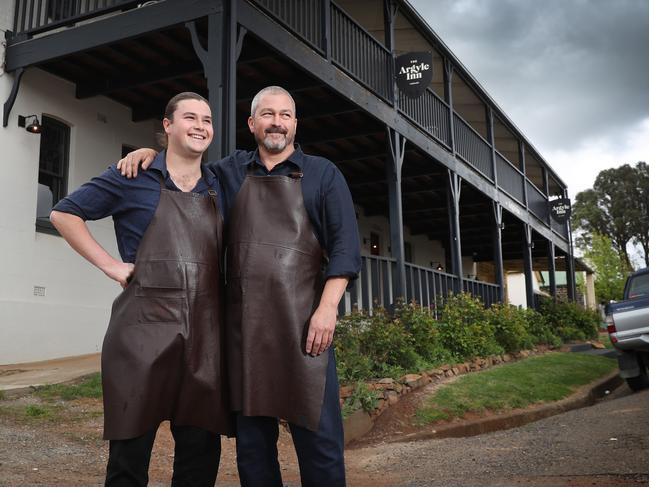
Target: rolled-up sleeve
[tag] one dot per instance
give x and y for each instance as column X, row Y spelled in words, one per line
column 341, row 229
column 98, row 198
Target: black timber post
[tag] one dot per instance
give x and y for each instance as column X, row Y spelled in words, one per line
column 448, row 96
column 390, row 9
column 233, row 42
column 498, row 249
column 393, row 165
column 570, row 264
column 454, row 188
column 552, row 270
column 326, row 28
column 527, row 264
column 216, row 74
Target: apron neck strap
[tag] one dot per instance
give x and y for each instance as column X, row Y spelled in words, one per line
column 161, row 179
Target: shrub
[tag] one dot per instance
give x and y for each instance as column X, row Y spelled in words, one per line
column 569, row 320
column 510, row 327
column 389, row 345
column 539, row 329
column 423, row 328
column 352, row 364
column 465, row 330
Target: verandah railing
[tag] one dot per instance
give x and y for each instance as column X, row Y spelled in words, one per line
column 472, row 147
column 428, row 287
column 304, row 18
column 430, row 112
column 537, row 202
column 510, row 178
column 35, row 16
column 356, row 51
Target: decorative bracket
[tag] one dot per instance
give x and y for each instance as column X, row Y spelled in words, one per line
column 12, row 96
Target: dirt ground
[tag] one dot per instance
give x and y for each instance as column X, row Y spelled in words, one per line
column 577, row 449
column 66, row 449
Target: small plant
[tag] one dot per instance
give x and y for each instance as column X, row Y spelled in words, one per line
column 361, row 398
column 36, row 411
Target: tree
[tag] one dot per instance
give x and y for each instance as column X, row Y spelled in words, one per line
column 609, row 266
column 612, row 208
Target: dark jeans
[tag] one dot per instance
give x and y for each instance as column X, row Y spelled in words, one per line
column 319, row 453
column 196, row 459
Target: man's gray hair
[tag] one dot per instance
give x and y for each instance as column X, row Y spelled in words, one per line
column 269, row 90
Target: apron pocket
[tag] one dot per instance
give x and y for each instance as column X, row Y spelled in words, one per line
column 161, row 274
column 161, row 310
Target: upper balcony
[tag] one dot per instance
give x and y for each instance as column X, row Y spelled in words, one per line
column 361, row 38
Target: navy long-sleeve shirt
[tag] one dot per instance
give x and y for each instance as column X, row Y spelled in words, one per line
column 131, row 202
column 327, row 200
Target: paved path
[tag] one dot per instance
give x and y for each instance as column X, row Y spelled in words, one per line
column 603, row 445
column 17, row 377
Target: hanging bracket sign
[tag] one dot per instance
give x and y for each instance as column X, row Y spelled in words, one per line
column 560, row 209
column 414, row 72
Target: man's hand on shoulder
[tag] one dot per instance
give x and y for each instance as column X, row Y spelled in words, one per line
column 129, row 165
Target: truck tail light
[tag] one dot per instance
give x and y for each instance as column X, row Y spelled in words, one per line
column 610, row 327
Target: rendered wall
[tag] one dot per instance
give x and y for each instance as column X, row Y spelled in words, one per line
column 71, row 317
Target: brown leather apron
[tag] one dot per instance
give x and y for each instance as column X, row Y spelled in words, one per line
column 274, row 283
column 162, row 357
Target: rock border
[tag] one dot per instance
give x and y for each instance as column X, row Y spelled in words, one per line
column 361, row 422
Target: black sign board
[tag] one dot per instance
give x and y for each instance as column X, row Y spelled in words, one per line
column 560, row 209
column 414, row 72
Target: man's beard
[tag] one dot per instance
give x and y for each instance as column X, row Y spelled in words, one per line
column 275, row 146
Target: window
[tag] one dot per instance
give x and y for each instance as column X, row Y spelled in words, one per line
column 54, row 156
column 52, row 170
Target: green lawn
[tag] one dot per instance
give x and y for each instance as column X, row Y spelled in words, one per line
column 539, row 379
column 88, row 387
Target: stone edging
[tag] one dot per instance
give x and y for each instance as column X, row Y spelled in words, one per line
column 361, row 422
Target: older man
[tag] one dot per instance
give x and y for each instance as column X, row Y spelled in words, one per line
column 292, row 247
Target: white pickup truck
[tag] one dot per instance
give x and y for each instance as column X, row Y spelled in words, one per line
column 628, row 327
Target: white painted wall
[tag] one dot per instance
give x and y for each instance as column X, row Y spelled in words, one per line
column 516, row 293
column 72, row 316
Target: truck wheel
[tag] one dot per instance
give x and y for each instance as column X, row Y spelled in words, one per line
column 641, row 381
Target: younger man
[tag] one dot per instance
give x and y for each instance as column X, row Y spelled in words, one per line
column 162, row 354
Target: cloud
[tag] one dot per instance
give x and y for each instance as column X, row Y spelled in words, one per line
column 581, row 164
column 565, row 72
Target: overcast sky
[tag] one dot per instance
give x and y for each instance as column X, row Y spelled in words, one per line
column 573, row 75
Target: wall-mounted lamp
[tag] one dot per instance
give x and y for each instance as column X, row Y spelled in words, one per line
column 34, row 127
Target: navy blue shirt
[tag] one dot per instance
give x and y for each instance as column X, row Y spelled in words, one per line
column 327, row 200
column 131, row 202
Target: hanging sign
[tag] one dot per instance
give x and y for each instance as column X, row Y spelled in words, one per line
column 414, row 72
column 560, row 209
